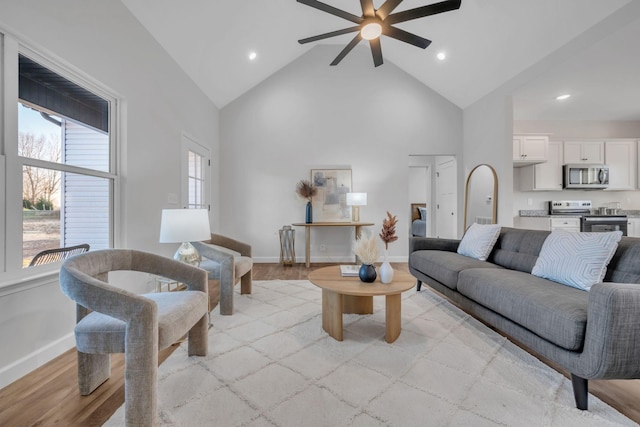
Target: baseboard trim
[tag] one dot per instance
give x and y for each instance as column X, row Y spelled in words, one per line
column 34, row 360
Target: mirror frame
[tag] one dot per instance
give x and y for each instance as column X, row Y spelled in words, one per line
column 494, row 213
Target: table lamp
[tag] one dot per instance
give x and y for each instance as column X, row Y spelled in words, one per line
column 355, row 200
column 184, row 226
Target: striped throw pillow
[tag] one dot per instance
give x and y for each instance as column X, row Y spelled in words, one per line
column 576, row 259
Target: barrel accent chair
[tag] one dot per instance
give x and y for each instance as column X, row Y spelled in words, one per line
column 229, row 261
column 111, row 319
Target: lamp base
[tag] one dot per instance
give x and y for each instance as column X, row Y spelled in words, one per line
column 355, row 214
column 188, row 254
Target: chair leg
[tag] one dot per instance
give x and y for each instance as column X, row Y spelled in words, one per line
column 245, row 283
column 198, row 337
column 418, row 285
column 141, row 385
column 226, row 298
column 93, row 370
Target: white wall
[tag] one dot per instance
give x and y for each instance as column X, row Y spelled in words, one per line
column 102, row 40
column 559, row 130
column 310, row 115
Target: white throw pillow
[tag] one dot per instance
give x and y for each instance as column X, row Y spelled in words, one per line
column 576, row 259
column 478, row 240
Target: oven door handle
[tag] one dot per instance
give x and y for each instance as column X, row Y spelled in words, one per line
column 619, row 220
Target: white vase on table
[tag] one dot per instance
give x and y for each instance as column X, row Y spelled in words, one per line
column 386, row 271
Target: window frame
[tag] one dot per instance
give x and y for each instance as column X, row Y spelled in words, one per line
column 11, row 166
column 190, row 144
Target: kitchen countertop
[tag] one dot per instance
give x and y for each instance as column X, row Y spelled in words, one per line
column 543, row 213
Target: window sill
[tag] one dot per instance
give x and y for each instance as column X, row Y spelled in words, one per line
column 28, row 278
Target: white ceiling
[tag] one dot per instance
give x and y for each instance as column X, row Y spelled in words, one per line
column 487, row 42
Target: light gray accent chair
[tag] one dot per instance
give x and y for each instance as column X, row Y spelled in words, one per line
column 111, row 319
column 229, row 261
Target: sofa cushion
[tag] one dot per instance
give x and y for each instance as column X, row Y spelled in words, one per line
column 576, row 259
column 478, row 241
column 552, row 311
column 624, row 266
column 518, row 249
column 444, row 266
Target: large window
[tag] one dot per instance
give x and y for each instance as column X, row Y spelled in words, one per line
column 64, row 154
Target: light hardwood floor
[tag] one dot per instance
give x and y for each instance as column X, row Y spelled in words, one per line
column 49, row 395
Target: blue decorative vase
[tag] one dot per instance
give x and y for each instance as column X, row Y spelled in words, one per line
column 309, row 214
column 367, row 273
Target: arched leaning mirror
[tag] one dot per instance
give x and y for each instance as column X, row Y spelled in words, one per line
column 481, row 194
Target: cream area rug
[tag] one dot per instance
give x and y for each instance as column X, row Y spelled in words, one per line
column 271, row 364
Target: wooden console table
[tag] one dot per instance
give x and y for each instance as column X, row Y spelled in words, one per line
column 307, row 230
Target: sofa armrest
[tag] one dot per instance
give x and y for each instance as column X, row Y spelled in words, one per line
column 243, row 248
column 430, row 243
column 612, row 340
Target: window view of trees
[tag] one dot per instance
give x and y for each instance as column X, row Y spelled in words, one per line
column 39, row 138
column 40, row 187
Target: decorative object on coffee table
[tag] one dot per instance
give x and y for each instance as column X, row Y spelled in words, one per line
column 388, row 235
column 307, row 190
column 366, row 249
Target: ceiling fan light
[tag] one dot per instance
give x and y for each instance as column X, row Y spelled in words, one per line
column 371, row 31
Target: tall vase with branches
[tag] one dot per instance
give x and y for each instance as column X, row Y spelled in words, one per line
column 307, row 190
column 388, row 235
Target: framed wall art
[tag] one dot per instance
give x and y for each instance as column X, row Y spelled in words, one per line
column 330, row 202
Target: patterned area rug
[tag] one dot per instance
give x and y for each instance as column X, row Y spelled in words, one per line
column 271, row 364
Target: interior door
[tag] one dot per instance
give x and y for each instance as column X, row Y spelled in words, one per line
column 446, row 198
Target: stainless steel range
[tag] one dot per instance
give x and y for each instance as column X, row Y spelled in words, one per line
column 589, row 221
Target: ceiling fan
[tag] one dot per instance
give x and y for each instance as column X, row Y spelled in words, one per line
column 376, row 22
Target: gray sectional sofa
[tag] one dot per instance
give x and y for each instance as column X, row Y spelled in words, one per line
column 593, row 335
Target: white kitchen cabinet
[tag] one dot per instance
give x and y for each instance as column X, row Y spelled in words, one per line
column 633, row 227
column 548, row 223
column 589, row 152
column 529, row 149
column 544, row 176
column 566, row 224
column 621, row 157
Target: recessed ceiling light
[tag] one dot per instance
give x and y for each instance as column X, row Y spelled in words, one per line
column 252, row 56
column 441, row 56
column 563, row 97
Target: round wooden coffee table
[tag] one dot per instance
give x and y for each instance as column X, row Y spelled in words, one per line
column 351, row 295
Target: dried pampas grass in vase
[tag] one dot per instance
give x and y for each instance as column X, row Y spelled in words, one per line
column 307, row 190
column 366, row 249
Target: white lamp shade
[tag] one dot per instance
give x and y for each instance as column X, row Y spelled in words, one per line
column 184, row 225
column 356, row 199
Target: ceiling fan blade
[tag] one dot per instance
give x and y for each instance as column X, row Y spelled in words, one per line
column 406, row 37
column 376, row 51
column 347, row 49
column 367, row 8
column 332, row 10
column 330, row 34
column 387, row 8
column 421, row 12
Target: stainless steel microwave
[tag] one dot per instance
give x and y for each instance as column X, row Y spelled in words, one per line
column 588, row 177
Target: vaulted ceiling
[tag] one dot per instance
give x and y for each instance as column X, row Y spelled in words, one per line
column 487, row 42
